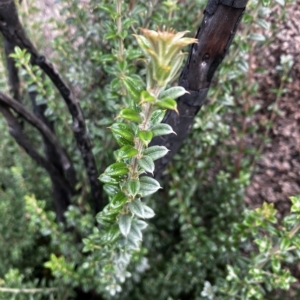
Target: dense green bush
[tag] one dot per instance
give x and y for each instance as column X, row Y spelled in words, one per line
column 203, row 242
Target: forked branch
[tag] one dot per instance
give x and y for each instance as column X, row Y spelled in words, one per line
column 13, row 31
column 16, row 131
column 38, row 124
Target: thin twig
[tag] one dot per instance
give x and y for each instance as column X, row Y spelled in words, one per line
column 27, row 291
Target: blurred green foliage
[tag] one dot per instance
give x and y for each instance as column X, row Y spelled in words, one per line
column 203, row 242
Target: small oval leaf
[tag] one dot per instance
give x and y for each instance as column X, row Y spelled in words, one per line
column 157, row 116
column 148, row 212
column 133, row 187
column 105, row 221
column 116, row 169
column 130, row 114
column 133, row 243
column 145, row 136
column 146, row 163
column 136, row 232
column 110, row 235
column 147, row 97
column 107, row 216
column 118, row 200
column 107, row 179
column 125, row 224
column 133, row 87
column 124, row 131
column 111, row 190
column 167, row 103
column 125, row 152
column 137, row 208
column 173, row 92
column 148, row 186
column 121, row 140
column 156, row 152
column 141, row 224
column 257, row 37
column 161, row 129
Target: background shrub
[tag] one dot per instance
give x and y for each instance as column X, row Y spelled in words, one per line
column 203, row 243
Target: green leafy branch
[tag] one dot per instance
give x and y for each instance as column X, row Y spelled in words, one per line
column 126, row 181
column 273, row 247
column 34, row 81
column 135, row 127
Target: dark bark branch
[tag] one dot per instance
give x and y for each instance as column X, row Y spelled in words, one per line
column 49, row 148
column 61, row 193
column 61, row 196
column 44, row 130
column 16, row 131
column 13, row 31
column 13, row 76
column 79, row 128
column 215, row 34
